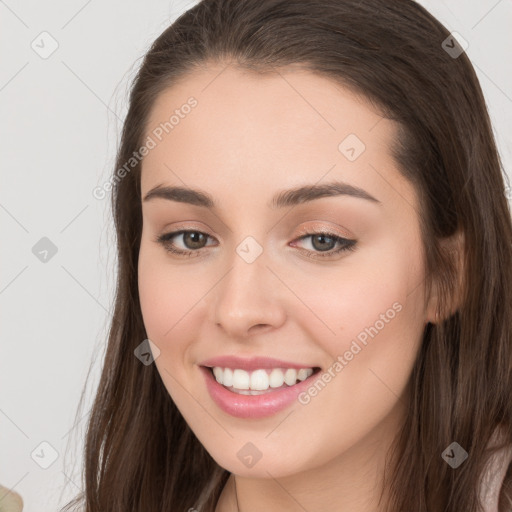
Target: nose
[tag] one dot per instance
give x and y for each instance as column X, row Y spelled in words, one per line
column 248, row 299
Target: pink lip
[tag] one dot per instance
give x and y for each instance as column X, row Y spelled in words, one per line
column 253, row 406
column 251, row 364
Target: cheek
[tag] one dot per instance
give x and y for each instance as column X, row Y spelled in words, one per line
column 374, row 295
column 162, row 289
column 375, row 311
column 167, row 298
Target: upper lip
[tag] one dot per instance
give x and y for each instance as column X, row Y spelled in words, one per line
column 252, row 363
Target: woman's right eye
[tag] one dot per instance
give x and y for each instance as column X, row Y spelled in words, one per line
column 193, row 239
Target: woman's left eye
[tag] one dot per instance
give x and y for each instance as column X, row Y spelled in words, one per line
column 320, row 240
column 195, row 240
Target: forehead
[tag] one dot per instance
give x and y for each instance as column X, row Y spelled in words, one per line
column 290, row 98
column 266, row 131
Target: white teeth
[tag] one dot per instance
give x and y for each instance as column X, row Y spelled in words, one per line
column 227, row 378
column 259, row 380
column 217, row 372
column 290, row 376
column 253, row 383
column 276, row 378
column 303, row 374
column 241, row 379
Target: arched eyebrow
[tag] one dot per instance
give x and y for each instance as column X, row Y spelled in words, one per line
column 282, row 199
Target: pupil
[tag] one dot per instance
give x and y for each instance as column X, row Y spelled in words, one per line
column 193, row 242
column 322, row 238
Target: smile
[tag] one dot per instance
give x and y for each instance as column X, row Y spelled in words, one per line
column 259, row 381
column 281, row 387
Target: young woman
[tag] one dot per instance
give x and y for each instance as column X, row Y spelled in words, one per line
column 314, row 297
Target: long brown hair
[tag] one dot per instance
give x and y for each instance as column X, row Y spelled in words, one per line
column 140, row 454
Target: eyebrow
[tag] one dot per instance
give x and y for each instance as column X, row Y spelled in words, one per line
column 282, row 199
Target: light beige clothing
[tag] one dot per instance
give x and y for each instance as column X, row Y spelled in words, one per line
column 493, row 478
column 10, row 501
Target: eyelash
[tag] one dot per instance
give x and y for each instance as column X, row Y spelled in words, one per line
column 348, row 244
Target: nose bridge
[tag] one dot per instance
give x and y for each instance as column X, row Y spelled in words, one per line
column 248, row 294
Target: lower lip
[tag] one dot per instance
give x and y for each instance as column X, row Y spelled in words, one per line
column 253, row 406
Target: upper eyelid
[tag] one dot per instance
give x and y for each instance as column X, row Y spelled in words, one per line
column 304, row 234
column 317, row 227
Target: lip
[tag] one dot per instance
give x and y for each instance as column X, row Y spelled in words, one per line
column 253, row 406
column 253, row 363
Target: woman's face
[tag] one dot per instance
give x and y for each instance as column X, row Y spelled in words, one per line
column 260, row 283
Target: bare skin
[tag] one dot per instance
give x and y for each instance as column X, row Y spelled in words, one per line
column 248, row 138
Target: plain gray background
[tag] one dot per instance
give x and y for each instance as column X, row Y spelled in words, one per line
column 61, row 117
